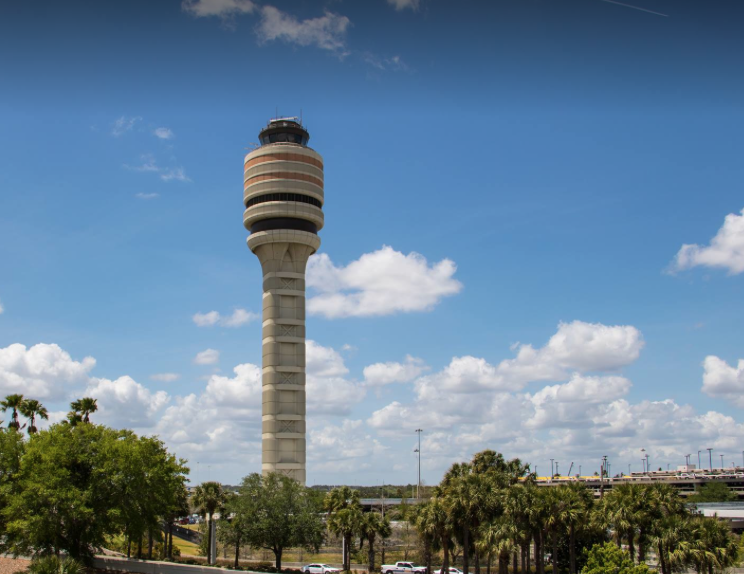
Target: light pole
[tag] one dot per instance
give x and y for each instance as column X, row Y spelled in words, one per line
column 601, row 476
column 418, row 484
column 699, row 458
column 643, row 459
column 710, row 458
column 629, row 473
column 556, row 468
column 721, row 462
column 579, row 470
column 552, row 474
column 687, row 460
column 648, row 464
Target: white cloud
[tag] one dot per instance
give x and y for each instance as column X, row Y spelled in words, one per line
column 150, row 165
column 147, row 196
column 124, row 124
column 165, row 377
column 722, row 380
column 379, row 283
column 206, row 319
column 380, row 374
column 726, row 249
column 222, row 8
column 327, row 32
column 174, row 173
column 346, row 448
column 207, row 357
column 394, row 63
column 163, row 133
column 403, row 4
column 572, row 404
column 125, row 403
column 328, row 391
column 2, row 309
column 238, row 318
column 41, row 371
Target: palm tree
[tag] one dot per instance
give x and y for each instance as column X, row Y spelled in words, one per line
column 208, row 499
column 31, row 408
column 73, row 419
column 345, row 517
column 424, row 521
column 14, row 403
column 373, row 525
column 714, row 549
column 576, row 502
column 85, row 407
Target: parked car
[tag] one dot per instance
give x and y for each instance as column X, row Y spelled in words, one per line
column 402, row 568
column 452, row 570
column 320, row 569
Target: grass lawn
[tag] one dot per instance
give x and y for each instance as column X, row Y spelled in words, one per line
column 186, row 548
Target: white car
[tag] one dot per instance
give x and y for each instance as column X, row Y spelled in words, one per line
column 320, row 569
column 451, row 571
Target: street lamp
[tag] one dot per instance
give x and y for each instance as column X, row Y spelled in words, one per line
column 418, row 450
column 643, row 459
column 699, row 458
column 556, row 468
column 648, row 464
column 721, row 462
column 687, row 460
column 552, row 474
column 710, row 458
column 629, row 473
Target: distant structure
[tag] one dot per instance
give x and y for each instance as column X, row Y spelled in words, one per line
column 283, row 197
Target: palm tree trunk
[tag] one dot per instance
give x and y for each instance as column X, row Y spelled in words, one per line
column 445, row 549
column 572, row 549
column 149, row 544
column 209, row 539
column 536, row 551
column 554, row 557
column 427, row 555
column 631, row 544
column 514, row 563
column 129, row 547
column 476, row 556
column 465, row 549
column 488, row 564
column 139, row 547
column 237, row 553
column 525, row 558
column 371, row 556
column 347, row 552
column 641, row 546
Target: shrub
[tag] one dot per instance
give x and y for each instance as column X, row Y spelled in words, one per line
column 55, row 565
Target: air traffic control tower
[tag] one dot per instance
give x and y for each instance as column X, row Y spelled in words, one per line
column 283, row 197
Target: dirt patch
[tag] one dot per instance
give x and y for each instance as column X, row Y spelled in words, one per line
column 12, row 565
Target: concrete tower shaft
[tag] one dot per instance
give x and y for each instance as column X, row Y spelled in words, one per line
column 283, row 196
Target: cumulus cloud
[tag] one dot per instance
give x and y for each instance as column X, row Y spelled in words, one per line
column 327, row 32
column 329, row 392
column 126, row 403
column 207, row 357
column 724, row 381
column 379, row 283
column 43, row 371
column 165, row 377
column 344, row 448
column 403, row 4
column 726, row 249
column 380, row 374
column 124, row 124
column 238, row 318
column 163, row 133
column 221, row 8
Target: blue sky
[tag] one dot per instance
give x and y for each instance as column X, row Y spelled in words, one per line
column 532, row 169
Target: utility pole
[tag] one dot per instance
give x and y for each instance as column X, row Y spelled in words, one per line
column 710, row 459
column 601, row 476
column 418, row 484
column 648, row 464
column 721, row 462
column 742, row 453
column 687, row 460
column 643, row 459
column 552, row 474
column 556, row 468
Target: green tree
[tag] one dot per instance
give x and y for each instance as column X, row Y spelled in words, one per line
column 14, row 403
column 31, row 409
column 607, row 558
column 12, row 448
column 345, row 516
column 713, row 492
column 208, row 499
column 70, row 489
column 373, row 525
column 278, row 513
